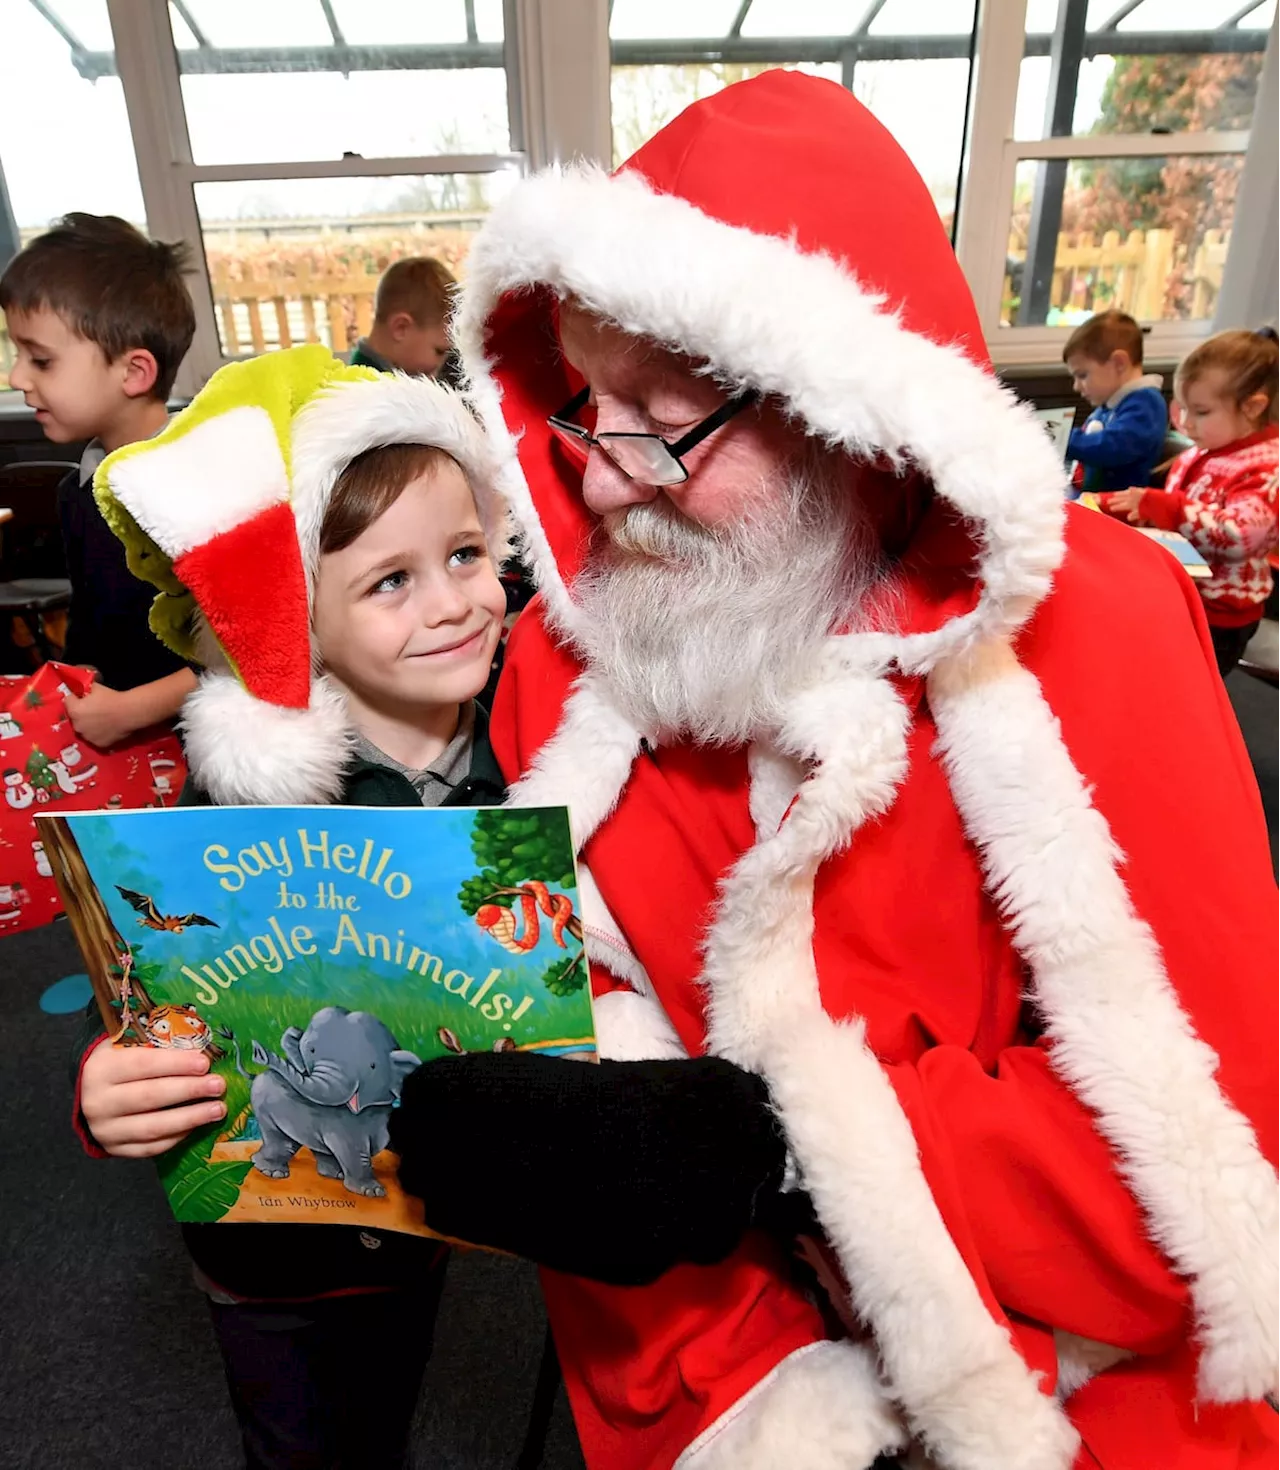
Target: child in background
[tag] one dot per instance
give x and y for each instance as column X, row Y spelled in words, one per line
column 410, row 319
column 1119, row 443
column 325, row 1330
column 101, row 319
column 1221, row 493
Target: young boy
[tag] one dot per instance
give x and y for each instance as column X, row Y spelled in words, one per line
column 101, row 319
column 1120, row 442
column 325, row 1330
column 410, row 319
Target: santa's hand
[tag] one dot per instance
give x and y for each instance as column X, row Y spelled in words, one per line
column 103, row 716
column 616, row 1172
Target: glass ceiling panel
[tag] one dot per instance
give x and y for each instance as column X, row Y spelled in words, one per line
column 803, row 17
column 1041, row 16
column 648, row 20
column 182, row 37
column 87, row 21
column 400, row 22
column 489, row 21
column 1178, row 15
column 923, row 18
column 1260, row 19
column 233, row 23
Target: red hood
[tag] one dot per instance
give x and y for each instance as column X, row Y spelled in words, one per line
column 779, row 233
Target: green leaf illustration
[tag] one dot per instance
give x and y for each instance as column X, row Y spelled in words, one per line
column 206, row 1194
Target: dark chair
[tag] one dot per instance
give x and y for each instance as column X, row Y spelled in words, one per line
column 33, row 580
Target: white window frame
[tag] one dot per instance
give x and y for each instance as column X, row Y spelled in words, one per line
column 986, row 198
column 150, row 76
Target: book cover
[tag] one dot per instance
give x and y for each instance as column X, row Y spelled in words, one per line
column 1192, row 561
column 318, row 955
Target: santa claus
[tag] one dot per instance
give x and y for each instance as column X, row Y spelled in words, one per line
column 923, row 865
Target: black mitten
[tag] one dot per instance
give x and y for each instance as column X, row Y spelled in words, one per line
column 616, row 1171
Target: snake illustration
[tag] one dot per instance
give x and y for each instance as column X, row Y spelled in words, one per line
column 502, row 923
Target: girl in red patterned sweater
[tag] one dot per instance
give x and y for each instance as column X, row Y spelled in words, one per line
column 1221, row 493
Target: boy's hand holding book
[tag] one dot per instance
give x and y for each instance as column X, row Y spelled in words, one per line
column 139, row 1100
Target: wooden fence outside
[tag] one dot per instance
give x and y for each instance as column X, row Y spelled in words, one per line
column 1132, row 273
column 263, row 305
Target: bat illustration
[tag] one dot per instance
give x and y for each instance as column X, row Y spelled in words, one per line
column 152, row 918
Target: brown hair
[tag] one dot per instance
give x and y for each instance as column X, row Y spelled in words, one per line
column 1246, row 359
column 420, row 285
column 1101, row 335
column 370, row 485
column 112, row 286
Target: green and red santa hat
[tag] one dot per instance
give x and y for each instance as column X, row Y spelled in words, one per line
column 222, row 514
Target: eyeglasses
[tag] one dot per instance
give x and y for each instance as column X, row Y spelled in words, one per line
column 646, row 458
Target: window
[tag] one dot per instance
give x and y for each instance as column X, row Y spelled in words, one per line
column 1145, row 235
column 891, row 54
column 66, row 143
column 379, row 80
column 311, row 143
column 298, row 260
column 1128, row 124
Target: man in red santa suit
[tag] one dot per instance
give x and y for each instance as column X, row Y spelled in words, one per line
column 923, row 867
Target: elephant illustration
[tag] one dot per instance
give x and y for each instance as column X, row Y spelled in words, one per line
column 332, row 1091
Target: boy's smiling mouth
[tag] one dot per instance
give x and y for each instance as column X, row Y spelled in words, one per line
column 461, row 646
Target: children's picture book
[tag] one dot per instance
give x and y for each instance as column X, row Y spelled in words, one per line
column 318, row 955
column 1057, row 424
column 1194, row 564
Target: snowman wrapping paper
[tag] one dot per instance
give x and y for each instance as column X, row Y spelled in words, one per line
column 46, row 767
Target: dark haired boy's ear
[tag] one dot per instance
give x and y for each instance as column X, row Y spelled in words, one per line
column 140, row 371
column 400, row 324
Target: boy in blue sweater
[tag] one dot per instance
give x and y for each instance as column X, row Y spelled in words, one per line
column 1119, row 443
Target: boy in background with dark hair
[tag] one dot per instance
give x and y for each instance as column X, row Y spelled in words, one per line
column 1119, row 443
column 410, row 319
column 101, row 320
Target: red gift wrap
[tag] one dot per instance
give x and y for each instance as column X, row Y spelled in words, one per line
column 47, row 767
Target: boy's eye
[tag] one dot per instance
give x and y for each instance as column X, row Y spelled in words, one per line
column 465, row 556
column 392, row 582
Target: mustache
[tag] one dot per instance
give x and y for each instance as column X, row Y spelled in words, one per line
column 659, row 531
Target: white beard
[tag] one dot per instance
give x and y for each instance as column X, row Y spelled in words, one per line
column 705, row 633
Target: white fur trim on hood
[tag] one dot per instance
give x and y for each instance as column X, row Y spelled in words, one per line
column 899, row 395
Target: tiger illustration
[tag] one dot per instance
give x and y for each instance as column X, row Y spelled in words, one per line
column 181, row 1027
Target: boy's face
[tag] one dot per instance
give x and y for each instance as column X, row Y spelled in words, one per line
column 408, row 616
column 76, row 393
column 1097, row 381
column 418, row 350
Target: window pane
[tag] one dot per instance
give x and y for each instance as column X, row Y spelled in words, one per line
column 1175, row 92
column 646, row 98
column 1146, row 235
column 66, row 141
column 923, row 18
column 297, row 260
column 632, row 20
column 886, row 74
column 406, row 81
column 802, row 17
column 1177, row 15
